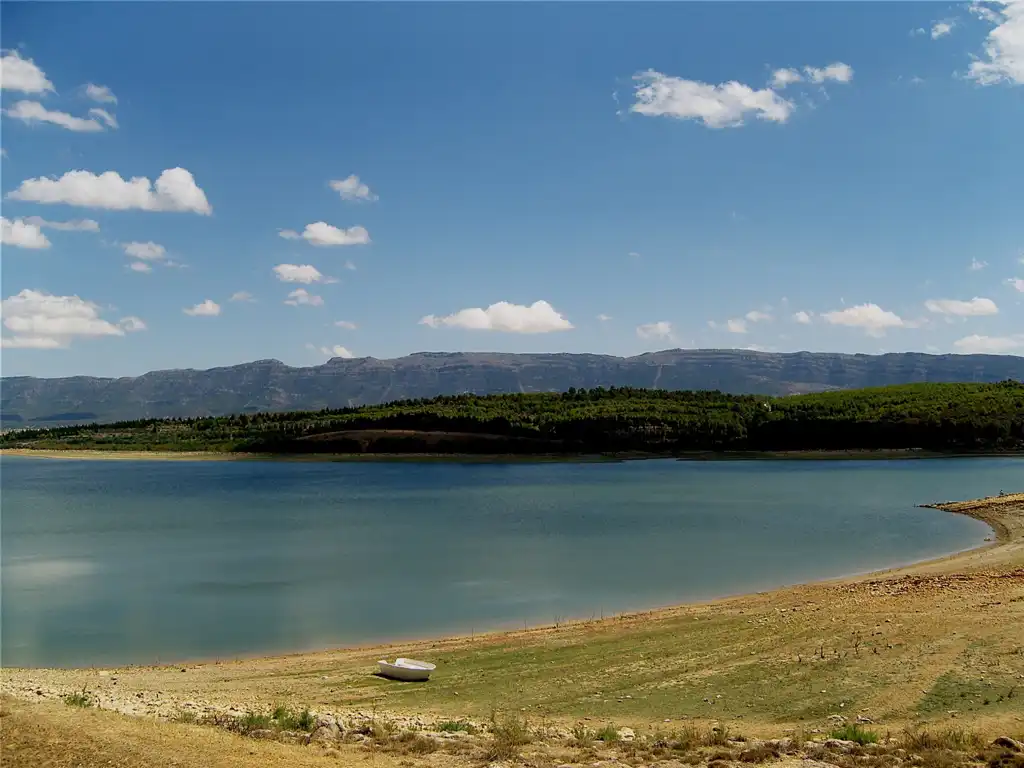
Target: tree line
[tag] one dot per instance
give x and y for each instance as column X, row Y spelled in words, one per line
column 936, row 417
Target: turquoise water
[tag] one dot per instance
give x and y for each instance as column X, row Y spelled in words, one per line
column 136, row 562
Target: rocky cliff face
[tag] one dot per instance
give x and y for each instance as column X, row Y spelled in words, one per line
column 272, row 385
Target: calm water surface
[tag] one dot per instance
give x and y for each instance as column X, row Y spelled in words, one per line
column 133, row 562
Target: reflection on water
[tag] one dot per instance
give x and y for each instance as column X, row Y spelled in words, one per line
column 133, row 562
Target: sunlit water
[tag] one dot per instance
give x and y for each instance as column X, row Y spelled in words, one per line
column 134, row 562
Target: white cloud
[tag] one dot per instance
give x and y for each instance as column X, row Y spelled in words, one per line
column 716, row 106
column 175, row 190
column 148, row 251
column 350, row 265
column 804, row 318
column 1003, row 57
column 241, row 296
column 783, row 77
column 634, row 255
column 994, row 345
column 336, row 351
column 736, row 325
column 604, row 318
column 1016, row 282
column 346, row 324
column 974, row 308
column 539, row 317
column 300, row 297
column 837, row 72
column 756, row 316
column 22, row 234
column 207, row 308
column 977, row 266
column 33, row 112
column 140, row 266
column 41, row 320
column 75, row 225
column 871, row 317
column 100, row 93
column 352, row 189
column 18, row 74
column 322, row 233
column 298, row 273
column 942, row 28
column 659, row 330
column 103, row 115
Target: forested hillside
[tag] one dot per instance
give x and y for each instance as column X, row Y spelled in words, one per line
column 270, row 385
column 935, row 417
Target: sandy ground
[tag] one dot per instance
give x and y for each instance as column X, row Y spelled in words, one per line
column 934, row 643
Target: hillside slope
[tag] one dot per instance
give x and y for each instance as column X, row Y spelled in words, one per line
column 270, row 385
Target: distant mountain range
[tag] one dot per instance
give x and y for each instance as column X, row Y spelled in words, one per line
column 270, row 385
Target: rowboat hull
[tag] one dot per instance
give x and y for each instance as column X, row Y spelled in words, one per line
column 409, row 670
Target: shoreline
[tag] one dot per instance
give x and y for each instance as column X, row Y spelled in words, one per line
column 92, row 454
column 1003, row 514
column 789, row 659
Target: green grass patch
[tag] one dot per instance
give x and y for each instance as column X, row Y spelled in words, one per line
column 455, row 726
column 856, row 733
column 80, row 698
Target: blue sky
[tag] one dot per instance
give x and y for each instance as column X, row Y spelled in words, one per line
column 608, row 178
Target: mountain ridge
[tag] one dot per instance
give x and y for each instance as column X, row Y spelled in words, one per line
column 269, row 384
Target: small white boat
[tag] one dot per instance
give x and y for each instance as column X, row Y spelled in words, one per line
column 406, row 669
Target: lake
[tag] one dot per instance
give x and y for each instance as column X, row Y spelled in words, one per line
column 117, row 562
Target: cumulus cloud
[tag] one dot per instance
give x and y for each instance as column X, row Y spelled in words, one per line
column 299, row 273
column 716, row 106
column 241, row 296
column 736, row 325
column 207, row 308
column 659, row 330
column 1002, row 58
column 100, row 93
column 104, row 116
column 756, row 316
column 783, row 77
column 804, row 318
column 140, row 266
column 974, row 308
column 539, row 317
column 148, row 251
column 352, row 189
column 337, row 351
column 75, row 225
column 942, row 28
column 977, row 266
column 18, row 74
column 604, row 318
column 1016, row 283
column 22, row 234
column 33, row 112
column 175, row 190
column 994, row 345
column 348, row 325
column 40, row 320
column 837, row 72
column 322, row 233
column 300, row 297
column 874, row 320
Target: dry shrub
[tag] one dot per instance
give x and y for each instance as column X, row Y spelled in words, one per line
column 956, row 739
column 508, row 735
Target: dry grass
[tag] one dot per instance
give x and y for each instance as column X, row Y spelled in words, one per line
column 51, row 735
